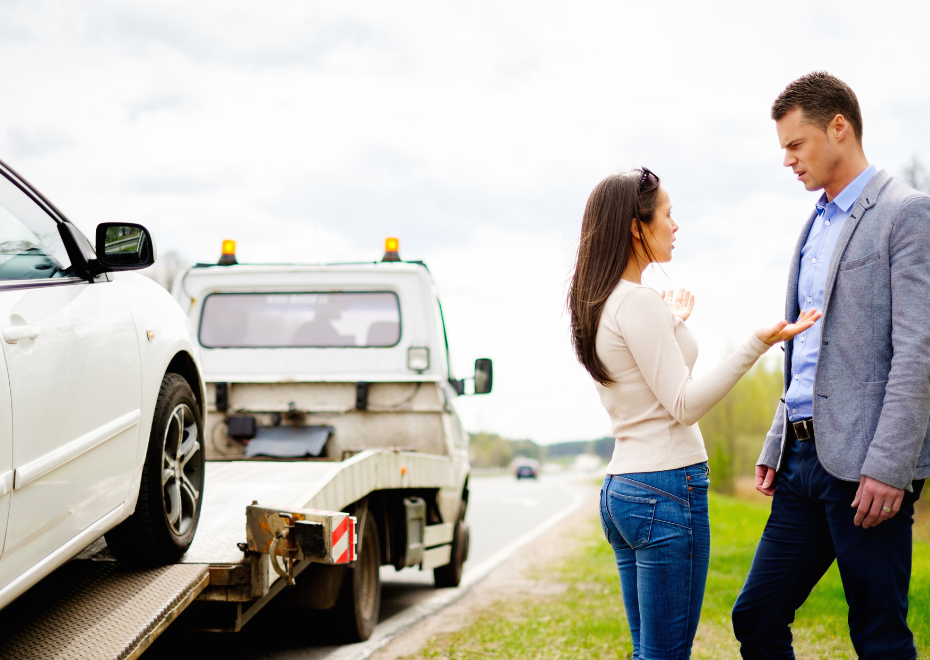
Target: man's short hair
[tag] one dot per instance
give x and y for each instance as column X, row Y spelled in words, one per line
column 821, row 97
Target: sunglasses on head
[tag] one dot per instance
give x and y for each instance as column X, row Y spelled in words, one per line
column 645, row 177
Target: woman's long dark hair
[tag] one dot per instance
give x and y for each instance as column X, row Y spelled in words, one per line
column 604, row 250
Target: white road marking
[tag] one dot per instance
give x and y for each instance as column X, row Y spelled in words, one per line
column 398, row 623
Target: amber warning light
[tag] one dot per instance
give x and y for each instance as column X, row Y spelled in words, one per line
column 228, row 256
column 391, row 250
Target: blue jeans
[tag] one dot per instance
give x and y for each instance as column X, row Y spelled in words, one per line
column 810, row 526
column 658, row 526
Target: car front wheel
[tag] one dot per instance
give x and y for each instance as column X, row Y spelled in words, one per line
column 168, row 509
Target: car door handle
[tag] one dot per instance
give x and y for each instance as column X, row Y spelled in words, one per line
column 15, row 333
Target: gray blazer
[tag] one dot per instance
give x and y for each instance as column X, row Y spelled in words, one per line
column 872, row 382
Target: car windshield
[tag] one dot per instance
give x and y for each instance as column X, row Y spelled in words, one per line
column 30, row 246
column 300, row 320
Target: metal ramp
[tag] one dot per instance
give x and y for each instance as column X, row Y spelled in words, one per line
column 94, row 608
column 97, row 609
column 231, row 486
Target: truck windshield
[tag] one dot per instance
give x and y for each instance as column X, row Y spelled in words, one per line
column 300, row 320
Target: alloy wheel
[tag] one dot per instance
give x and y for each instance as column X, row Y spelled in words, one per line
column 181, row 479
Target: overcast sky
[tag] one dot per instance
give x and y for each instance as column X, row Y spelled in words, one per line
column 309, row 131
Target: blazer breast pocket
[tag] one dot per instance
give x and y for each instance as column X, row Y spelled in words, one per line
column 870, row 258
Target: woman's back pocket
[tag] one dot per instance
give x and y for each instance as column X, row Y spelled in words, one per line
column 632, row 516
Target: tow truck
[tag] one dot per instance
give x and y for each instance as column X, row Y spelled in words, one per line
column 333, row 448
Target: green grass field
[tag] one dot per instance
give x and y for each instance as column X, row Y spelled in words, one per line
column 585, row 619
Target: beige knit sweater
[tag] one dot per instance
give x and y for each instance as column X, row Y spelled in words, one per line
column 653, row 402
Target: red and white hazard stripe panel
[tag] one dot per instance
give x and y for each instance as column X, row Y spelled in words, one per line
column 344, row 544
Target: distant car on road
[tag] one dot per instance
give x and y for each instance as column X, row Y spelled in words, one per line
column 101, row 398
column 526, row 468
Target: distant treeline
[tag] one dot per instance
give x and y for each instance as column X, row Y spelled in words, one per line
column 603, row 447
column 491, row 450
column 735, row 428
column 733, row 433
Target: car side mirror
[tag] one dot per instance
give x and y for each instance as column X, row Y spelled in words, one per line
column 124, row 246
column 484, row 376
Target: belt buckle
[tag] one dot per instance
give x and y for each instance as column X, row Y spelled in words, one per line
column 802, row 431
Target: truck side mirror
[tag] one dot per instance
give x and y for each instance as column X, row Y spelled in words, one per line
column 483, row 376
column 123, row 246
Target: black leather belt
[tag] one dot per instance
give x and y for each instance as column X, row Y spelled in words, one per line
column 804, row 429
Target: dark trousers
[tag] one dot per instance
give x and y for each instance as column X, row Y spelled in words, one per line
column 810, row 525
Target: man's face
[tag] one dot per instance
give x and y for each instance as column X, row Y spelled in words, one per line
column 810, row 152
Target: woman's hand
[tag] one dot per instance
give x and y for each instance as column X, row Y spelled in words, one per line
column 783, row 331
column 680, row 303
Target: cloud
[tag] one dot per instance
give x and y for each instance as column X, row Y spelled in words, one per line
column 157, row 103
column 236, row 35
column 173, row 185
column 392, row 191
column 310, row 131
column 37, row 142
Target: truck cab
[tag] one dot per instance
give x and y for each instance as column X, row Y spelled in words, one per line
column 324, row 364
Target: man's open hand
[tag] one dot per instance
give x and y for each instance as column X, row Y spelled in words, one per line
column 872, row 498
column 765, row 480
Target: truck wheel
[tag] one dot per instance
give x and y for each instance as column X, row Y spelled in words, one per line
column 450, row 575
column 170, row 496
column 359, row 601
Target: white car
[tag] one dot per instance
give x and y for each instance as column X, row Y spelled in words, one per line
column 101, row 399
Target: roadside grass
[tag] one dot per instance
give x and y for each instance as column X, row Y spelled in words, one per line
column 577, row 611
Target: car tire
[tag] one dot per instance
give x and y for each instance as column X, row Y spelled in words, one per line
column 450, row 575
column 359, row 603
column 162, row 527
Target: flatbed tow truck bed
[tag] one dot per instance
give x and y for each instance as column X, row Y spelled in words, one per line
column 94, row 608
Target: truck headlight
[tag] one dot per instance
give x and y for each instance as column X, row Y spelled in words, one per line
column 418, row 358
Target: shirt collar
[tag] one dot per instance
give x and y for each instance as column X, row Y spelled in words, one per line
column 851, row 193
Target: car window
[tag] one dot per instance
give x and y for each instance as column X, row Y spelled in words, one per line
column 30, row 245
column 300, row 320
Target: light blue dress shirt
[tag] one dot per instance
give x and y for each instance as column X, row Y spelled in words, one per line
column 812, row 279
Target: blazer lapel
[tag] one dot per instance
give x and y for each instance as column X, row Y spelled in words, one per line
column 864, row 203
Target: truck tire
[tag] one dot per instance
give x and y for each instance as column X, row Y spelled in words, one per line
column 162, row 527
column 359, row 601
column 450, row 575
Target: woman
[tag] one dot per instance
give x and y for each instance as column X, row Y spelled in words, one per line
column 634, row 343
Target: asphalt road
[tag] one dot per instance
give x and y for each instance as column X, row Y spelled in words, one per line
column 501, row 512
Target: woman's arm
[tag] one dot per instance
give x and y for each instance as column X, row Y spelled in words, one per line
column 648, row 328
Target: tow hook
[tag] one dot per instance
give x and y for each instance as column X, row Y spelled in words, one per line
column 287, row 572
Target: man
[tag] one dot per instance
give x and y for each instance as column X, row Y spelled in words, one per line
column 848, row 450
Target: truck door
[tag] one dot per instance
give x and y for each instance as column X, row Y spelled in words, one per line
column 73, row 364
